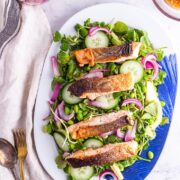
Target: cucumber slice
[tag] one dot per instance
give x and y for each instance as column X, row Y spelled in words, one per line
column 93, row 143
column 84, row 173
column 60, row 141
column 61, row 131
column 135, row 68
column 68, row 97
column 99, row 39
column 108, row 101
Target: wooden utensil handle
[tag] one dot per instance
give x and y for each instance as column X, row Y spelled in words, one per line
column 21, row 161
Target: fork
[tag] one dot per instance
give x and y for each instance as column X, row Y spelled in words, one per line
column 21, row 147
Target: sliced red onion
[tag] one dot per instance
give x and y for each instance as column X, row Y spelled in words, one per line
column 62, row 113
column 94, row 30
column 134, row 101
column 56, row 115
column 93, row 74
column 149, row 62
column 107, row 172
column 55, row 65
column 50, row 102
column 98, row 104
column 106, row 134
column 33, row 2
column 55, row 93
column 130, row 134
column 155, row 68
column 99, row 70
column 148, row 65
column 65, row 154
column 151, row 57
column 120, row 134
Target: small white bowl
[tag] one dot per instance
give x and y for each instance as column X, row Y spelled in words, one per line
column 167, row 10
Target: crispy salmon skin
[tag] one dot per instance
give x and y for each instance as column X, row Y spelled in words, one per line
column 104, row 155
column 94, row 87
column 107, row 54
column 100, row 124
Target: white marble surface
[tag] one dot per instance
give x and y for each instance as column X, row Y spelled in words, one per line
column 58, row 11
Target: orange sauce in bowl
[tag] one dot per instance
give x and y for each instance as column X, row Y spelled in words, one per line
column 173, row 3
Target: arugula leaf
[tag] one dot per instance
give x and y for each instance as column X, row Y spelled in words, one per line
column 145, row 40
column 160, row 79
column 160, row 53
column 87, row 22
column 61, row 164
column 112, row 139
column 131, row 35
column 49, row 128
column 126, row 163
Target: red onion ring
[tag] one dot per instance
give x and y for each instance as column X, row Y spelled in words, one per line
column 65, row 154
column 155, row 68
column 50, row 102
column 55, row 65
column 99, row 70
column 107, row 172
column 148, row 65
column 94, row 30
column 93, row 74
column 134, row 101
column 57, row 114
column 55, row 93
column 149, row 62
column 106, row 134
column 62, row 113
column 120, row 134
column 130, row 134
column 98, row 104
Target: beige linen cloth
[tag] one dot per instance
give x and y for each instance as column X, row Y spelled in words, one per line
column 21, row 64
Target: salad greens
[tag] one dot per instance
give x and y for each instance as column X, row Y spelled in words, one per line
column 70, row 71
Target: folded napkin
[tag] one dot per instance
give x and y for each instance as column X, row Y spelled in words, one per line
column 25, row 38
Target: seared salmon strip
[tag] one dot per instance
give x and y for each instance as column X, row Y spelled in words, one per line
column 104, row 155
column 100, row 124
column 94, row 87
column 108, row 54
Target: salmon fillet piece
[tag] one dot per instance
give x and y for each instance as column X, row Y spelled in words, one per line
column 104, row 155
column 94, row 87
column 100, row 124
column 108, row 54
